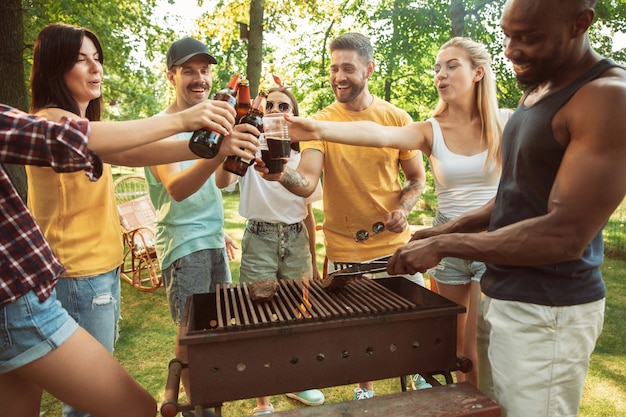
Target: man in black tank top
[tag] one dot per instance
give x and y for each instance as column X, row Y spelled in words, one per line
column 563, row 175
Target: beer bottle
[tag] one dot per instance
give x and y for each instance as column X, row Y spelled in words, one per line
column 206, row 143
column 236, row 164
column 243, row 99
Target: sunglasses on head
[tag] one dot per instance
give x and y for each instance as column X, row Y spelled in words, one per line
column 282, row 107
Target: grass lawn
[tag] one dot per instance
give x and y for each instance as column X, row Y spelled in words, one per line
column 147, row 334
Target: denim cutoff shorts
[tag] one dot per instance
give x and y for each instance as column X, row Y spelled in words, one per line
column 455, row 271
column 30, row 329
column 275, row 251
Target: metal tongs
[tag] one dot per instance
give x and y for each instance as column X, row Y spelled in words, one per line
column 349, row 269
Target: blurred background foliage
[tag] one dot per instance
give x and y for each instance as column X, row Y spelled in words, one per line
column 290, row 39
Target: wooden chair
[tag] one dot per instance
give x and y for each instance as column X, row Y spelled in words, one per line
column 140, row 266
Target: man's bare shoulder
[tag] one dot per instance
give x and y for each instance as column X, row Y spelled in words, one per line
column 596, row 107
column 609, row 89
column 613, row 79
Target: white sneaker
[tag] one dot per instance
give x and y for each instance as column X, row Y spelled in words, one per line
column 362, row 393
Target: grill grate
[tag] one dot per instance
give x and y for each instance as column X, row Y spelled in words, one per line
column 298, row 301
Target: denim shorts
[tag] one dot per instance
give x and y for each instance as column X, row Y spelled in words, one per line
column 30, row 329
column 94, row 302
column 455, row 271
column 275, row 251
column 197, row 273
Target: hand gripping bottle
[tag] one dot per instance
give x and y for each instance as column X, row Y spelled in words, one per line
column 206, row 143
column 236, row 164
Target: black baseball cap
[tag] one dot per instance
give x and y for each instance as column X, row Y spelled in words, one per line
column 184, row 49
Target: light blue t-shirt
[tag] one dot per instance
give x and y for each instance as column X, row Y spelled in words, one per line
column 188, row 226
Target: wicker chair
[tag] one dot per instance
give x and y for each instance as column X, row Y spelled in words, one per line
column 140, row 266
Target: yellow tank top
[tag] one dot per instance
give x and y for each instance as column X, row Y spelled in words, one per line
column 78, row 218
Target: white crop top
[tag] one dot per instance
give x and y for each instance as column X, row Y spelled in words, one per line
column 463, row 183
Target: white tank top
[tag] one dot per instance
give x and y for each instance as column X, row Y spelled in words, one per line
column 463, row 183
column 269, row 201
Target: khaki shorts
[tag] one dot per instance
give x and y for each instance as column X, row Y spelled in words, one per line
column 533, row 359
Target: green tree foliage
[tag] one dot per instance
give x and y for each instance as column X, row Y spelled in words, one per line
column 295, row 37
column 131, row 85
column 611, row 19
column 406, row 35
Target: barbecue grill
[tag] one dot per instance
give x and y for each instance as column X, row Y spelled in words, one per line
column 308, row 337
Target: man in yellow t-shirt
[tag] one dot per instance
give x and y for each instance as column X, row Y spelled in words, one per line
column 362, row 190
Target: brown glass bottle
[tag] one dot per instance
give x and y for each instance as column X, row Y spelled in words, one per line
column 243, row 99
column 206, row 143
column 236, row 164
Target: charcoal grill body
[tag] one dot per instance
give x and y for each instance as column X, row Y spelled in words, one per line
column 316, row 351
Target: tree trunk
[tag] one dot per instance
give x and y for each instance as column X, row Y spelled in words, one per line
column 457, row 17
column 13, row 87
column 393, row 53
column 255, row 45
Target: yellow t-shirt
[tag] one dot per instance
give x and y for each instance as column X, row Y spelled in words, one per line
column 78, row 218
column 360, row 186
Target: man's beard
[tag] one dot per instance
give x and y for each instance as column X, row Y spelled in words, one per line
column 356, row 90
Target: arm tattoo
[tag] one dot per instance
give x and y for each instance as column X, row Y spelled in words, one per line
column 295, row 182
column 411, row 194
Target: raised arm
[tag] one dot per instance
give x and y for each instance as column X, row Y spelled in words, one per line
column 362, row 133
column 108, row 138
column 181, row 183
column 590, row 184
column 305, row 178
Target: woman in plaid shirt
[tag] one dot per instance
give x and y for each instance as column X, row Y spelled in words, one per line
column 41, row 346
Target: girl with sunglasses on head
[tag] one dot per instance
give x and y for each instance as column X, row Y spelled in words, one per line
column 279, row 239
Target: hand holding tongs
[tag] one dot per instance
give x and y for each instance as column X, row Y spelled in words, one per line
column 349, row 269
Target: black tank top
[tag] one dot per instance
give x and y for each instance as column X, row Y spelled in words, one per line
column 531, row 157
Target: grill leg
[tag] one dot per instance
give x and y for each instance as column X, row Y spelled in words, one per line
column 403, row 383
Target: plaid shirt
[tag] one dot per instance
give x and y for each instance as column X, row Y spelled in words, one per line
column 26, row 260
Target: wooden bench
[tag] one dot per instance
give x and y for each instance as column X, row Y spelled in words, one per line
column 452, row 400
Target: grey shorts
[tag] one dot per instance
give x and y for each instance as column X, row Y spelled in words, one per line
column 196, row 273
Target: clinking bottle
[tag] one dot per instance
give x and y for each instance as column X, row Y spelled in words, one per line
column 236, row 164
column 206, row 143
column 243, row 99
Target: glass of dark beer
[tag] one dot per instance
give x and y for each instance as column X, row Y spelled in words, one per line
column 274, row 165
column 276, row 132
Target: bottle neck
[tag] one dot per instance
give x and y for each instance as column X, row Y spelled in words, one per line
column 259, row 104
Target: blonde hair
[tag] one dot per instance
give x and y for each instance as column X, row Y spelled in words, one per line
column 486, row 101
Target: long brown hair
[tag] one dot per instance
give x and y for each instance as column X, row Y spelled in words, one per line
column 56, row 48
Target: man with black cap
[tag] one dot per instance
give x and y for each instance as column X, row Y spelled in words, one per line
column 190, row 216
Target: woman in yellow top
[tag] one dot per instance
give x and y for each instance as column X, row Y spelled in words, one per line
column 79, row 217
